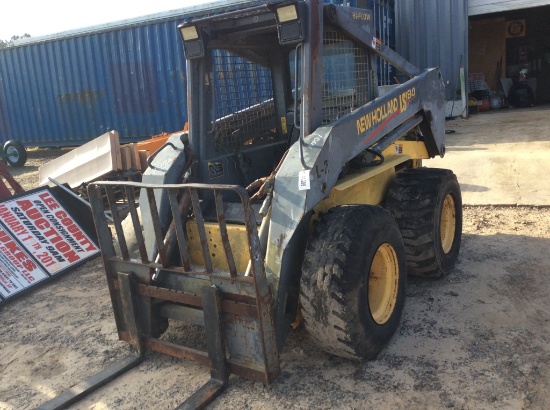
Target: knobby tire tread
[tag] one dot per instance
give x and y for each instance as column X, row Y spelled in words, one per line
column 412, row 200
column 331, row 280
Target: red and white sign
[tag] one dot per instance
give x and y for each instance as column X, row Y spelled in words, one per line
column 47, row 231
column 38, row 239
column 18, row 270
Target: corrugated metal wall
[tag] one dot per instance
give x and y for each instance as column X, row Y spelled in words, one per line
column 434, row 33
column 75, row 89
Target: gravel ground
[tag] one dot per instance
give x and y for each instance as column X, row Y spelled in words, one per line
column 27, row 176
column 476, row 339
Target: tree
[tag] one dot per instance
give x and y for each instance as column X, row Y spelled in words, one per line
column 9, row 43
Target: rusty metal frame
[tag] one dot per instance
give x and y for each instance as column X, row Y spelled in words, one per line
column 235, row 309
column 5, row 191
column 74, row 394
column 219, row 375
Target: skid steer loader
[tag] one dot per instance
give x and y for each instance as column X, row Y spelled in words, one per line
column 282, row 99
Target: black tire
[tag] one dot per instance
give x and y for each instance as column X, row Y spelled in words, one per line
column 342, row 310
column 427, row 205
column 15, row 153
column 521, row 96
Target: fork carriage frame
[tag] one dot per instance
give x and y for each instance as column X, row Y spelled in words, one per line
column 234, row 309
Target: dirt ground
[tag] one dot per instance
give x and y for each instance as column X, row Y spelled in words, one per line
column 476, row 339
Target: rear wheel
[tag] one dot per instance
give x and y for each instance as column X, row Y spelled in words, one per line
column 353, row 281
column 427, row 205
column 15, row 152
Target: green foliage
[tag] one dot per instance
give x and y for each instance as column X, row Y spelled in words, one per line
column 9, row 43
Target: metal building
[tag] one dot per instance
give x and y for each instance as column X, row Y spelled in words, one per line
column 509, row 51
column 479, row 7
column 434, row 33
column 502, row 44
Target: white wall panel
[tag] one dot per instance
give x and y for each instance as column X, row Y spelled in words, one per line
column 477, row 7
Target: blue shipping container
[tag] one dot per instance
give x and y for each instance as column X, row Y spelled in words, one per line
column 69, row 88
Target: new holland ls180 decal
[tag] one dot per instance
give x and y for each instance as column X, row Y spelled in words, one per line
column 385, row 113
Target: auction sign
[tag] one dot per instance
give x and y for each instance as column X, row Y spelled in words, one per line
column 39, row 239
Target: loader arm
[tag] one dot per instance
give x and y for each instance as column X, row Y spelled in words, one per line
column 321, row 155
column 418, row 102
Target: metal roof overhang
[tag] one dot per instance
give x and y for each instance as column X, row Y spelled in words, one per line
column 478, row 7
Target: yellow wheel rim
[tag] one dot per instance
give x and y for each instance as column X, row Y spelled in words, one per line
column 447, row 224
column 383, row 283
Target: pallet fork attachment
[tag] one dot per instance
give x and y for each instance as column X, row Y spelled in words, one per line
column 235, row 309
column 219, row 375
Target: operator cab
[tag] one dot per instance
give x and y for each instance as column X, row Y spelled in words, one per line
column 245, row 88
column 239, row 97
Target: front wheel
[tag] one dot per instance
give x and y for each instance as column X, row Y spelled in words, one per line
column 15, row 153
column 354, row 281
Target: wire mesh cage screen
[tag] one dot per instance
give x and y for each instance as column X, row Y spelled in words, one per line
column 244, row 107
column 347, row 76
